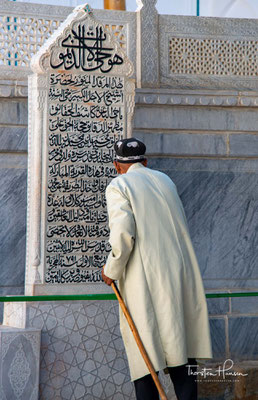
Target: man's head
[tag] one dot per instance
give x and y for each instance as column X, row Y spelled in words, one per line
column 129, row 151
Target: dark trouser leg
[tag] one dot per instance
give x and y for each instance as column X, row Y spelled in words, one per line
column 185, row 384
column 145, row 388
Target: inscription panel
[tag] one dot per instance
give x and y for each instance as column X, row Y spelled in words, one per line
column 86, row 117
column 81, row 103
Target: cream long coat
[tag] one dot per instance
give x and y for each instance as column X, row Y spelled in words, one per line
column 153, row 259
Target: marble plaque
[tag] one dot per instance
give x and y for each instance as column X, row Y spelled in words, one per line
column 81, row 103
column 19, row 363
column 86, row 116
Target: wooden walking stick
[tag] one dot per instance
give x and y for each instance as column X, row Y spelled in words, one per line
column 139, row 342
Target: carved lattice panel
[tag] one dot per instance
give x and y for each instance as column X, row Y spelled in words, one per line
column 213, row 56
column 21, row 37
column 120, row 33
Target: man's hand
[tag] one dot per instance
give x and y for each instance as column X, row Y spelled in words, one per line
column 105, row 278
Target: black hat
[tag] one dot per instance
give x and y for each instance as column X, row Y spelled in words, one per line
column 129, row 150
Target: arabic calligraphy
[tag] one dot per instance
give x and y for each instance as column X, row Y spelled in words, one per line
column 80, row 141
column 107, row 97
column 85, row 118
column 77, row 185
column 78, row 231
column 87, row 81
column 83, row 48
column 74, row 110
column 75, row 171
column 82, row 261
column 78, row 245
column 72, row 276
column 70, row 124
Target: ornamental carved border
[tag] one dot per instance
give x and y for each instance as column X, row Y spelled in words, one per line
column 198, row 52
column 205, row 98
column 221, row 57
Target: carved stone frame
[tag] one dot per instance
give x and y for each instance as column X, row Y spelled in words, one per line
column 37, row 149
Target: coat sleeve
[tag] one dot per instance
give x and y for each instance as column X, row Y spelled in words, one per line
column 122, row 232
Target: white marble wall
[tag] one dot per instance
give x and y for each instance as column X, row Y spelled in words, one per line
column 13, row 173
column 220, row 199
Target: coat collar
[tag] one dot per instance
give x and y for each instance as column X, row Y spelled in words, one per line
column 135, row 166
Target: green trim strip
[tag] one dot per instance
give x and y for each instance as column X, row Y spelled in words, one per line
column 102, row 296
column 242, row 294
column 61, row 297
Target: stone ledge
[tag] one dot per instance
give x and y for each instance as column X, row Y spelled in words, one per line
column 214, row 98
column 13, row 87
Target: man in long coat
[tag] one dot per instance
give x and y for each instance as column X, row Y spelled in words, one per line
column 153, row 259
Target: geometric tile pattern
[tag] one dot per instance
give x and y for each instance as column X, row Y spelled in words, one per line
column 82, row 353
column 213, row 56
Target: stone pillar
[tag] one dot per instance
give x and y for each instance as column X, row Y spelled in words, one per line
column 37, row 101
column 114, row 5
column 147, row 44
